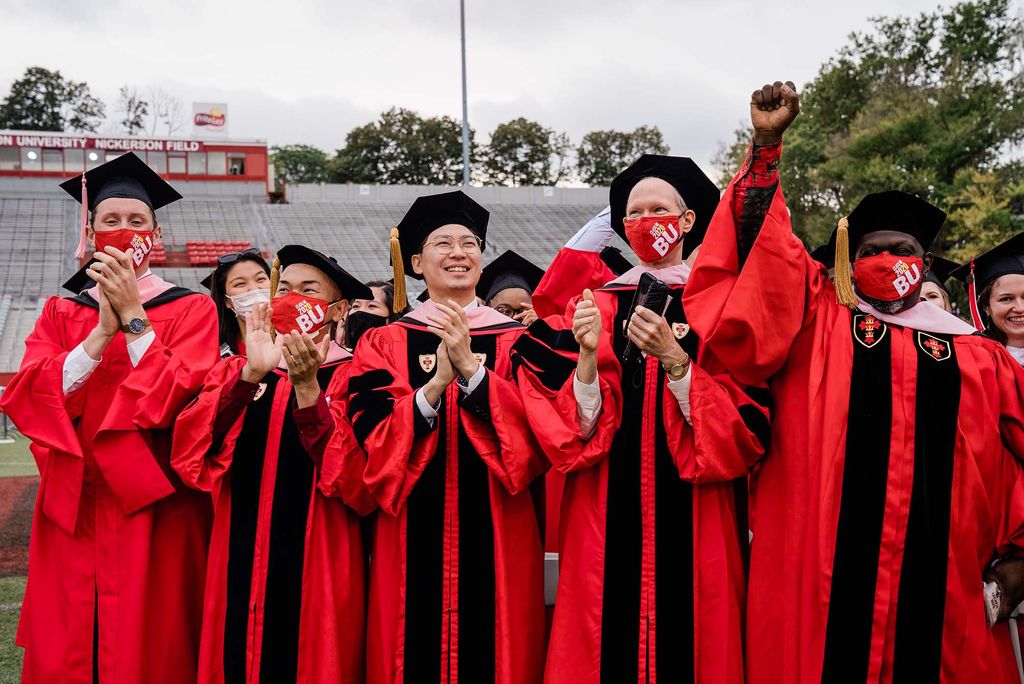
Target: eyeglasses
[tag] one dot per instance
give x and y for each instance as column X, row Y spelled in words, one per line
column 445, row 244
column 506, row 310
column 225, row 259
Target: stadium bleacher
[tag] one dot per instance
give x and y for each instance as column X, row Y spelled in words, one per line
column 39, row 230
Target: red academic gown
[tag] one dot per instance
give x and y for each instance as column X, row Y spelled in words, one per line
column 117, row 542
column 285, row 589
column 652, row 567
column 456, row 578
column 571, row 272
column 891, row 480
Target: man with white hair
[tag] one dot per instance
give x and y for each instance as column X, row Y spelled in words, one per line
column 651, row 578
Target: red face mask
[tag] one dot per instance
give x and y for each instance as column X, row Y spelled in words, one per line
column 888, row 278
column 138, row 242
column 296, row 311
column 652, row 237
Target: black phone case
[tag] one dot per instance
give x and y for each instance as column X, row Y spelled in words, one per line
column 652, row 294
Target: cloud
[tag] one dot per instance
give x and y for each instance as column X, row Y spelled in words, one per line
column 308, row 74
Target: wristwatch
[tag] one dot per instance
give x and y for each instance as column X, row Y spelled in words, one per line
column 135, row 326
column 678, row 370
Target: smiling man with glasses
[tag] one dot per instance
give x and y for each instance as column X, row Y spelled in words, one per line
column 456, row 588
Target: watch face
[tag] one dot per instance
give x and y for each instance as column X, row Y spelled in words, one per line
column 136, row 325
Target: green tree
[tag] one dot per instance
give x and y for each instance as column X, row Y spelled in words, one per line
column 602, row 154
column 401, row 148
column 523, row 152
column 299, row 163
column 43, row 100
column 133, row 109
column 931, row 105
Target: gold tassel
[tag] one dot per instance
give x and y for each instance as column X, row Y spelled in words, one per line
column 843, row 281
column 399, row 298
column 275, row 280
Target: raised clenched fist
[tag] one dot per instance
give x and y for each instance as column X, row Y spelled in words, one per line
column 772, row 109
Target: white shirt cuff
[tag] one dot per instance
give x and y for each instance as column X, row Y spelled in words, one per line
column 137, row 348
column 588, row 405
column 474, row 381
column 426, row 410
column 77, row 369
column 594, row 235
column 680, row 389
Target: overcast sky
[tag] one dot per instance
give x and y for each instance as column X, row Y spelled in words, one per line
column 306, row 71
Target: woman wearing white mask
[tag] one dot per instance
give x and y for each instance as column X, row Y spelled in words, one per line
column 240, row 282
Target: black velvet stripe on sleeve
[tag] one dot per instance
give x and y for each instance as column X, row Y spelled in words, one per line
column 862, row 507
column 560, row 340
column 244, row 478
column 369, row 404
column 920, row 608
column 550, row 367
column 370, row 380
column 369, row 408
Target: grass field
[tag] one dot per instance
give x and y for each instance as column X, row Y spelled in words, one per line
column 15, row 459
column 11, row 591
column 15, row 462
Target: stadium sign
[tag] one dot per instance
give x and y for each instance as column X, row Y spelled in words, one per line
column 90, row 143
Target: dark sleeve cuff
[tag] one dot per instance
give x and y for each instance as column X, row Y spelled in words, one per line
column 312, row 417
column 240, row 391
column 315, row 425
column 420, row 425
column 233, row 400
column 478, row 401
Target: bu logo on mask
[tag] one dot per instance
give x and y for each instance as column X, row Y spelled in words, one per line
column 309, row 316
column 664, row 235
column 141, row 246
column 907, row 276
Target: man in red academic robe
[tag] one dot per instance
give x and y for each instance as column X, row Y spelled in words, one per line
column 892, row 481
column 652, row 567
column 456, row 585
column 118, row 548
column 285, row 589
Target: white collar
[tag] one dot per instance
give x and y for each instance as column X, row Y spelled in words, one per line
column 1017, row 353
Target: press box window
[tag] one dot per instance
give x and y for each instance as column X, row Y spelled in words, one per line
column 197, row 163
column 236, row 164
column 53, row 160
column 10, row 159
column 157, row 161
column 217, row 163
column 176, row 164
column 31, row 159
column 74, row 160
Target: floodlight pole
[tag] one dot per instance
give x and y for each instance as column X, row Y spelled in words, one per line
column 465, row 105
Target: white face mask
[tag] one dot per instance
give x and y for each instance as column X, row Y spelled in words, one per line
column 247, row 301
